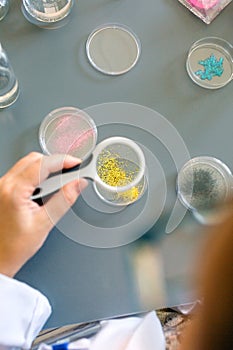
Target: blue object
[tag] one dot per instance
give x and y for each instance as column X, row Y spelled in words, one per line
column 63, row 346
column 212, row 68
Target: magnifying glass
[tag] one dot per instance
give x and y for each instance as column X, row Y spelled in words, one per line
column 117, row 167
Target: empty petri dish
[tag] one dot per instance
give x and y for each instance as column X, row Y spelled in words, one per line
column 203, row 183
column 113, row 49
column 210, row 62
column 68, row 130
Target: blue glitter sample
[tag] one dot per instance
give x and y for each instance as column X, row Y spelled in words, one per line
column 212, row 68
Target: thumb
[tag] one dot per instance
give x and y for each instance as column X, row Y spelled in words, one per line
column 61, row 201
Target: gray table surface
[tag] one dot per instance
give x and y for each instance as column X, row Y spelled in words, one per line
column 85, row 283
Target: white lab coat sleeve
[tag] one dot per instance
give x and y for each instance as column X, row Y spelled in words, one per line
column 23, row 312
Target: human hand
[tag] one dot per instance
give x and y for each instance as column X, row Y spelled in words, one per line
column 24, row 225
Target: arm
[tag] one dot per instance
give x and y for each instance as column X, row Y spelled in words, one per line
column 24, row 226
column 23, row 310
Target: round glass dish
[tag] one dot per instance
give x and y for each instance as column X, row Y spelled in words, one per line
column 122, row 199
column 113, row 49
column 210, row 62
column 121, row 168
column 47, row 11
column 4, row 8
column 202, row 184
column 68, row 130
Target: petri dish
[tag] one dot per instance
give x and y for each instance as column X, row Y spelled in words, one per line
column 120, row 167
column 46, row 11
column 68, row 130
column 44, row 25
column 210, row 62
column 113, row 49
column 123, row 199
column 4, row 8
column 202, row 184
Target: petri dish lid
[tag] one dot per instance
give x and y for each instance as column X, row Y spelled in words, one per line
column 113, row 49
column 210, row 62
column 68, row 130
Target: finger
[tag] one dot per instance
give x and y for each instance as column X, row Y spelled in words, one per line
column 33, row 174
column 61, row 201
column 57, row 162
column 12, row 181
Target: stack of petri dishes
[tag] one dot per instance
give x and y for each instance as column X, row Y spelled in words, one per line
column 47, row 13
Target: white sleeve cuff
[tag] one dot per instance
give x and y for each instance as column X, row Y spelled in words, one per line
column 23, row 310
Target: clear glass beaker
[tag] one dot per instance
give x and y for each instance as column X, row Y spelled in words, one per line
column 4, row 7
column 121, row 168
column 9, row 87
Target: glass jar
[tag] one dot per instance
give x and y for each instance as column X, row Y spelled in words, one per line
column 4, row 7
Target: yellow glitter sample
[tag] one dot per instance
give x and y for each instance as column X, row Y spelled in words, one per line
column 130, row 195
column 115, row 171
column 111, row 172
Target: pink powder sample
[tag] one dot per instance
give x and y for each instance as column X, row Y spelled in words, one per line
column 203, row 4
column 70, row 134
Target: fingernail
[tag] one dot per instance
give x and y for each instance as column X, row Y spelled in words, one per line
column 74, row 159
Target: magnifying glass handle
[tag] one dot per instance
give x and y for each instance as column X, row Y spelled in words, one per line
column 54, row 183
